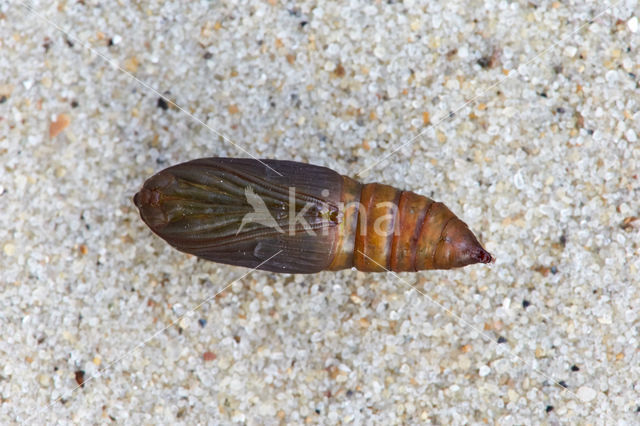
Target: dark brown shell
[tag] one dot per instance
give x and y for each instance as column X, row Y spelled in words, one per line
column 285, row 216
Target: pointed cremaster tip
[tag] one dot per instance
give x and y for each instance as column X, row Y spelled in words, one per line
column 464, row 246
column 482, row 256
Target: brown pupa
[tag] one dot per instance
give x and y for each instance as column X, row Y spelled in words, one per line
column 243, row 212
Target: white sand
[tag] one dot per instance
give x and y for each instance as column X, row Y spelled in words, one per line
column 544, row 166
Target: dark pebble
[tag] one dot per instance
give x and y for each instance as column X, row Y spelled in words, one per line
column 163, row 104
column 525, row 303
column 80, row 378
column 484, row 62
column 47, row 44
column 549, row 408
column 575, row 368
column 502, row 340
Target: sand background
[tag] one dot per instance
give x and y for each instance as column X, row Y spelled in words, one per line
column 523, row 117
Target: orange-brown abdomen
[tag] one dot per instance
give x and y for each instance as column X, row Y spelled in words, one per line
column 402, row 231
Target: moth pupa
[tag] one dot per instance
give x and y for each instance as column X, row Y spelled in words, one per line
column 292, row 217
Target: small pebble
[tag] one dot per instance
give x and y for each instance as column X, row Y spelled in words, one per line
column 162, row 104
column 9, row 249
column 570, row 51
column 80, row 378
column 44, row 380
column 380, row 52
column 484, row 371
column 586, row 393
column 57, row 126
